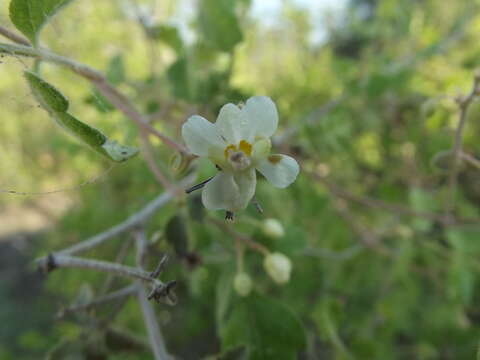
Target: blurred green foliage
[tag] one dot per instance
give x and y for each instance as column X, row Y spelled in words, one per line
column 369, row 108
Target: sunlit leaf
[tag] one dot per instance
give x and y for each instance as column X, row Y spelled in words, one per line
column 218, row 24
column 56, row 104
column 29, row 16
column 48, row 96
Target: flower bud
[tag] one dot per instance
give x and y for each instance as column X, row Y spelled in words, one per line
column 242, row 283
column 273, row 228
column 278, row 266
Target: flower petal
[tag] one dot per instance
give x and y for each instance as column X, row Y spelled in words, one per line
column 280, row 170
column 219, row 191
column 200, row 135
column 232, row 124
column 262, row 115
column 229, row 191
column 247, row 182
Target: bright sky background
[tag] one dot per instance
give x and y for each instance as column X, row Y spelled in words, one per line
column 268, row 11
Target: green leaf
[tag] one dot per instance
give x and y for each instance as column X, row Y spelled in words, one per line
column 48, row 96
column 56, row 105
column 168, row 35
column 116, row 70
column 218, row 24
column 82, row 131
column 268, row 328
column 178, row 78
column 177, row 235
column 224, row 294
column 115, row 74
column 29, row 16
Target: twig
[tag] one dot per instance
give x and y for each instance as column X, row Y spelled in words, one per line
column 13, row 36
column 150, row 159
column 153, row 329
column 119, row 258
column 160, row 267
column 472, row 160
column 154, row 333
column 114, row 295
column 54, row 261
column 463, row 104
column 116, row 98
column 139, row 217
column 238, row 236
column 376, row 203
column 368, row 238
column 141, row 243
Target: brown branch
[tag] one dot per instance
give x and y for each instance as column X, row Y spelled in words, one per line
column 375, row 203
column 472, row 160
column 13, row 36
column 463, row 104
column 238, row 236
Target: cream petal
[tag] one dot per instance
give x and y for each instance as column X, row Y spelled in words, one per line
column 262, row 115
column 220, row 191
column 247, row 182
column 232, row 124
column 280, row 170
column 200, row 135
column 229, row 191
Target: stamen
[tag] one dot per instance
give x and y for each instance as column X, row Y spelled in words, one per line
column 198, row 186
column 246, row 147
column 229, row 215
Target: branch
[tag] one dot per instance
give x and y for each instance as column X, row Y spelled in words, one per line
column 154, row 333
column 134, row 220
column 238, row 236
column 472, row 160
column 116, row 98
column 375, row 203
column 13, row 36
column 463, row 104
column 114, row 295
column 54, row 261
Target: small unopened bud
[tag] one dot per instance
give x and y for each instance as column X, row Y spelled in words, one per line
column 242, row 283
column 278, row 266
column 273, row 228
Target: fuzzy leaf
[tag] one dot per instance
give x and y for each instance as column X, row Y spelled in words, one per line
column 48, row 96
column 29, row 16
column 56, row 105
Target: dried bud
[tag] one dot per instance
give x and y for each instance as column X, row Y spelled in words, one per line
column 273, row 228
column 278, row 266
column 242, row 283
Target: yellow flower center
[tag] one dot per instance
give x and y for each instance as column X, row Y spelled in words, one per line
column 244, row 147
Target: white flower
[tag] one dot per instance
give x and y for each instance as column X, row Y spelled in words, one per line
column 278, row 266
column 242, row 283
column 239, row 143
column 273, row 228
